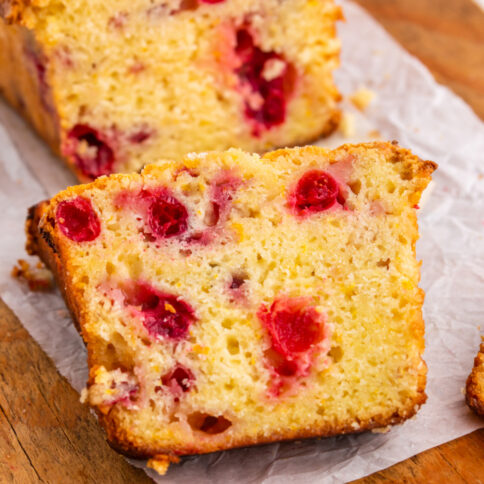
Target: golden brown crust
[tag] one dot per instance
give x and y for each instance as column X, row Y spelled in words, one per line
column 43, row 241
column 475, row 384
column 125, row 443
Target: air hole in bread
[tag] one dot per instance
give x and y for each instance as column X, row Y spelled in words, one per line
column 233, row 345
column 355, row 186
column 384, row 263
column 117, row 353
column 208, row 424
column 336, row 353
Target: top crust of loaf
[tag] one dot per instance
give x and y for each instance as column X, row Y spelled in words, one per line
column 475, row 384
column 44, row 242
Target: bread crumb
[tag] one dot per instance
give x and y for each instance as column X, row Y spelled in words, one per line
column 347, row 125
column 84, row 395
column 160, row 463
column 374, row 133
column 38, row 278
column 381, row 430
column 362, row 97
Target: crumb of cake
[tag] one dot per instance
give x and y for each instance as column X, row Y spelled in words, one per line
column 374, row 133
column 347, row 125
column 381, row 430
column 362, row 97
column 161, row 463
column 38, row 278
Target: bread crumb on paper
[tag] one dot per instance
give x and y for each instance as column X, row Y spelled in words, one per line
column 347, row 126
column 160, row 463
column 381, row 430
column 362, row 98
column 37, row 277
column 374, row 133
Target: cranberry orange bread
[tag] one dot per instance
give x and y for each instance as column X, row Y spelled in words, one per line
column 475, row 384
column 229, row 300
column 114, row 85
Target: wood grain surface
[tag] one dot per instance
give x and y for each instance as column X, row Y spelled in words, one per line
column 47, row 436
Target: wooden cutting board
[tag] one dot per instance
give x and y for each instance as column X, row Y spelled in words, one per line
column 47, row 436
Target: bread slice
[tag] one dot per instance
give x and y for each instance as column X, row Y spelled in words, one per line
column 230, row 299
column 475, row 384
column 114, row 87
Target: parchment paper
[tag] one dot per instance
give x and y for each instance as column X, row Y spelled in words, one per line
column 423, row 116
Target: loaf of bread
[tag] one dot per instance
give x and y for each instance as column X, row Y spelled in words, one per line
column 475, row 384
column 114, row 85
column 230, row 299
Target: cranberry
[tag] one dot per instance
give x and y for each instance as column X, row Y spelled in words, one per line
column 293, row 324
column 77, row 219
column 140, row 136
column 281, row 364
column 97, row 157
column 316, row 191
column 211, row 1
column 223, row 189
column 272, row 91
column 179, row 380
column 237, row 281
column 167, row 217
column 164, row 315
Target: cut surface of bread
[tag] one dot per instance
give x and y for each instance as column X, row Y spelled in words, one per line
column 114, row 86
column 475, row 384
column 231, row 299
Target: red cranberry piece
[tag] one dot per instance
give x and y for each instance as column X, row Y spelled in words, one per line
column 140, row 136
column 164, row 315
column 293, row 324
column 316, row 191
column 211, row 1
column 237, row 281
column 167, row 217
column 179, row 380
column 273, row 91
column 98, row 158
column 77, row 219
column 223, row 191
column 281, row 364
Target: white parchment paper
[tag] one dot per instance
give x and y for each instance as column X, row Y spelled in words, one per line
column 421, row 115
